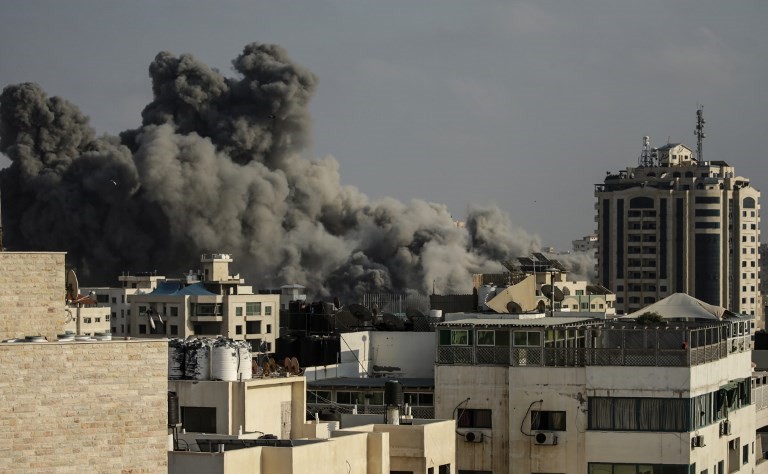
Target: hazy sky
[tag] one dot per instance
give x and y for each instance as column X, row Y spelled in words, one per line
column 525, row 105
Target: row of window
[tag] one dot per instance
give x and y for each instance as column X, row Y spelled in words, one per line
column 89, row 320
column 680, row 415
column 491, row 337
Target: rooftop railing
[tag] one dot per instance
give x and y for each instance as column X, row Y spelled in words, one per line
column 653, row 347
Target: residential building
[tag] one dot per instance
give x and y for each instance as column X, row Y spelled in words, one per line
column 73, row 406
column 117, row 298
column 588, row 243
column 676, row 223
column 579, row 395
column 209, row 303
column 258, row 426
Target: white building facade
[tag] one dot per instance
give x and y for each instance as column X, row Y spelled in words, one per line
column 569, row 395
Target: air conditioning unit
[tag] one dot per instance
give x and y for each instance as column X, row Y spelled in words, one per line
column 697, row 441
column 725, row 428
column 545, row 437
column 473, row 436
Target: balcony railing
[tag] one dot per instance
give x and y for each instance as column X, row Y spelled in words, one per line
column 651, row 349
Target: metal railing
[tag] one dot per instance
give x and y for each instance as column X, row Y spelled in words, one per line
column 660, row 353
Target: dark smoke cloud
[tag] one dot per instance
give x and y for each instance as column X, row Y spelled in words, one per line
column 217, row 166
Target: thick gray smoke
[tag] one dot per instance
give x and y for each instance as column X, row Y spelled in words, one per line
column 217, row 166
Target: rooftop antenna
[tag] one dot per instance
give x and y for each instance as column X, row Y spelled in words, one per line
column 699, row 131
column 648, row 156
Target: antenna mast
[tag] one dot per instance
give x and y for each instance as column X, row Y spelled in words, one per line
column 699, row 131
column 648, row 156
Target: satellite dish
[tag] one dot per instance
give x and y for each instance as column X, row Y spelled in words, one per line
column 514, row 308
column 73, row 288
column 546, row 290
column 360, row 312
column 296, row 367
column 413, row 313
column 392, row 322
column 345, row 321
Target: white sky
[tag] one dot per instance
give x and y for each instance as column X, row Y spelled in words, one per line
column 524, row 105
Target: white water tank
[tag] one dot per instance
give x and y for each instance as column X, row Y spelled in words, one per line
column 176, row 354
column 197, row 361
column 225, row 360
column 245, row 369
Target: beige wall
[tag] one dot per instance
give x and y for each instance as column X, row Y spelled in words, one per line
column 84, row 407
column 32, row 292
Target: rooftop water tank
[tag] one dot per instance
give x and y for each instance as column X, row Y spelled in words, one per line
column 197, row 361
column 176, row 353
column 225, row 359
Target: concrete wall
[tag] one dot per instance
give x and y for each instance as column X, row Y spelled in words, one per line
column 403, row 354
column 84, row 407
column 32, row 292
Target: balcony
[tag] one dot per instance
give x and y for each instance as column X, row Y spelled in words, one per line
column 651, row 347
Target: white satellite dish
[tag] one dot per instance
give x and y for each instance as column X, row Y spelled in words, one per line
column 72, row 287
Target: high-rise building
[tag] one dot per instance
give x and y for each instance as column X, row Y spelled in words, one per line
column 676, row 223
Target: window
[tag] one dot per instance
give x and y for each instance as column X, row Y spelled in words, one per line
column 106, row 317
column 142, row 328
column 455, row 337
column 584, row 306
column 122, row 299
column 98, row 320
column 253, row 309
column 114, row 300
column 122, row 328
column 199, row 419
column 474, row 418
column 527, row 339
column 639, row 414
column 174, row 311
column 606, row 468
column 417, row 399
column 87, row 320
column 238, row 311
column 745, row 454
column 269, row 329
column 253, row 327
column 548, row 420
column 174, row 329
column 142, row 309
column 267, row 310
column 486, row 337
column 238, row 329
column 350, row 398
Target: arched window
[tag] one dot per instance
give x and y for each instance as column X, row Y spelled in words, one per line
column 689, row 174
column 748, row 203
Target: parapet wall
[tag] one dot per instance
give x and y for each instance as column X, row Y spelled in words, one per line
column 84, row 407
column 32, row 293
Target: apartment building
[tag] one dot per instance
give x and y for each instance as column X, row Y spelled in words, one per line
column 259, row 426
column 580, row 395
column 73, row 406
column 676, row 223
column 208, row 303
column 117, row 298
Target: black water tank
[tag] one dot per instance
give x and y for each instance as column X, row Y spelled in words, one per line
column 393, row 393
column 173, row 409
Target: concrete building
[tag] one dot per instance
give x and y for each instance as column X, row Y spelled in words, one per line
column 678, row 224
column 225, row 424
column 73, row 406
column 117, row 298
column 588, row 243
column 210, row 303
column 577, row 396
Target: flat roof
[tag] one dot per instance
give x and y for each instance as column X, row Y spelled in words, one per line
column 533, row 322
column 373, row 382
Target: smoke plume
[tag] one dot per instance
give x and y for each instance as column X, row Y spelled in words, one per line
column 216, row 165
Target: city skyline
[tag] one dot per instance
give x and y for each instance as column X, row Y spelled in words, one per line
column 431, row 101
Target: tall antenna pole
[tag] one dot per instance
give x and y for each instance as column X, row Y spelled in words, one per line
column 647, row 157
column 699, row 132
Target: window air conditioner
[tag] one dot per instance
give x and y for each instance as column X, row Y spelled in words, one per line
column 473, row 436
column 697, row 441
column 725, row 428
column 546, row 437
